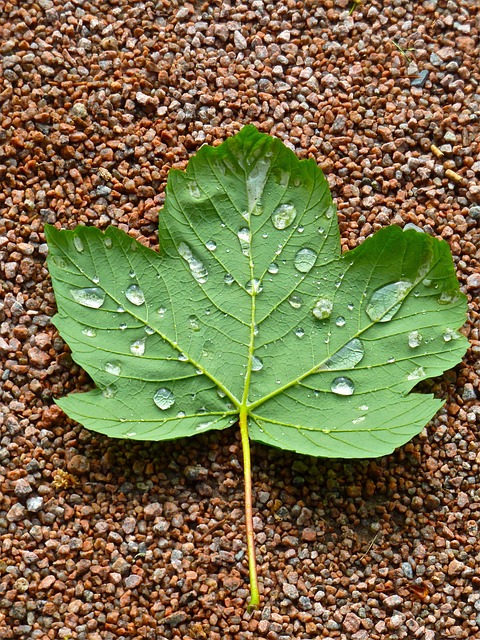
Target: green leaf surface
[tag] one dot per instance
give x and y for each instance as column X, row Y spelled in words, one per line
column 249, row 307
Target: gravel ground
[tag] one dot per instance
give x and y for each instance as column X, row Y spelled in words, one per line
column 109, row 540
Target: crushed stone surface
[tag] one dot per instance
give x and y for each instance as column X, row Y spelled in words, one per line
column 109, row 540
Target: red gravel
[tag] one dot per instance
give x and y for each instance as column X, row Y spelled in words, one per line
column 108, row 540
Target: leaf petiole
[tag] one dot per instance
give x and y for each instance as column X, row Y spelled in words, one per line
column 247, row 470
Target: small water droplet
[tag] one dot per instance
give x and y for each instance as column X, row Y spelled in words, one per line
column 363, row 407
column 113, row 367
column 295, row 301
column 340, row 321
column 254, row 286
column 193, row 322
column 414, row 339
column 161, row 312
column 300, row 229
column 164, row 398
column 257, row 364
column 137, row 348
column 149, row 330
column 350, row 306
column 255, row 330
column 203, row 426
column 273, row 268
column 129, row 434
column 132, row 273
column 299, row 332
column 342, row 386
column 244, row 238
column 221, row 393
column 109, row 391
column 182, row 357
column 108, row 242
column 283, row 216
column 358, row 420
column 346, row 357
column 181, row 414
column 416, row 374
column 135, row 295
column 59, row 262
column 229, row 279
column 323, row 308
column 211, row 245
column 450, row 334
column 95, row 279
column 122, row 326
column 89, row 331
column 321, row 230
column 448, row 297
column 92, row 297
column 391, row 360
column 78, row 244
column 304, row 260
column 120, row 310
column 194, row 190
column 197, row 268
column 386, row 301
column 330, row 211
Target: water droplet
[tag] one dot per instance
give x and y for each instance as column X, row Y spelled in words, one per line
column 164, row 398
column 89, row 331
column 197, row 268
column 229, row 279
column 450, row 334
column 299, row 332
column 448, row 297
column 257, row 210
column 201, row 410
column 323, row 308
column 122, row 326
column 363, row 407
column 181, row 414
column 108, row 242
column 120, row 310
column 340, row 321
column 78, row 244
column 203, row 426
column 358, row 420
column 300, row 229
column 330, row 211
column 386, row 301
column 391, row 360
column 416, row 374
column 257, row 364
column 283, row 216
column 161, row 312
column 321, row 230
column 256, row 180
column 129, row 434
column 342, row 386
column 193, row 322
column 137, row 348
column 255, row 330
column 254, row 286
column 295, row 301
column 346, row 357
column 273, row 268
column 221, row 393
column 109, row 392
column 182, row 357
column 244, row 238
column 149, row 330
column 211, row 245
column 194, row 190
column 92, row 297
column 59, row 262
column 113, row 367
column 95, row 279
column 350, row 306
column 132, row 273
column 414, row 339
column 304, row 260
column 135, row 295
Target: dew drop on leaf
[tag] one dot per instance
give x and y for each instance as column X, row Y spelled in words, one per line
column 211, row 245
column 346, row 357
column 181, row 414
column 415, row 338
column 300, row 229
column 340, row 321
column 109, row 392
column 254, row 286
column 108, row 242
column 417, row 373
column 323, row 309
column 122, row 326
column 229, row 279
column 89, row 331
column 137, row 348
column 447, row 297
column 391, row 360
column 386, row 301
column 129, row 434
column 193, row 322
column 257, row 364
column 299, row 332
column 244, row 239
column 283, row 216
column 321, row 230
column 95, row 279
column 59, row 262
column 450, row 334
column 182, row 357
column 203, row 426
column 135, row 295
column 149, row 330
column 295, row 301
column 194, row 190
column 331, row 209
column 78, row 244
column 304, row 260
column 92, row 297
column 132, row 273
column 358, row 420
column 161, row 312
column 197, row 268
column 273, row 268
column 342, row 386
column 120, row 310
column 363, row 407
column 350, row 306
column 113, row 367
column 164, row 398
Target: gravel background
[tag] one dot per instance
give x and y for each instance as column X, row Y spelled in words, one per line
column 109, row 540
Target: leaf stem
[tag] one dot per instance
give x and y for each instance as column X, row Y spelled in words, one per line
column 247, row 470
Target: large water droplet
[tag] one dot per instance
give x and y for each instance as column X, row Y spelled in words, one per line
column 416, row 374
column 295, row 301
column 135, row 295
column 244, row 238
column 78, row 244
column 113, row 367
column 211, row 245
column 342, row 386
column 164, row 398
column 323, row 308
column 304, row 260
column 92, row 297
column 346, row 357
column 137, row 348
column 257, row 364
column 386, row 301
column 273, row 268
column 340, row 321
column 414, row 339
column 197, row 268
column 229, row 279
column 254, row 286
column 283, row 216
column 193, row 322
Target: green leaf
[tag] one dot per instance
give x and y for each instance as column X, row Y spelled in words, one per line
column 250, row 309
